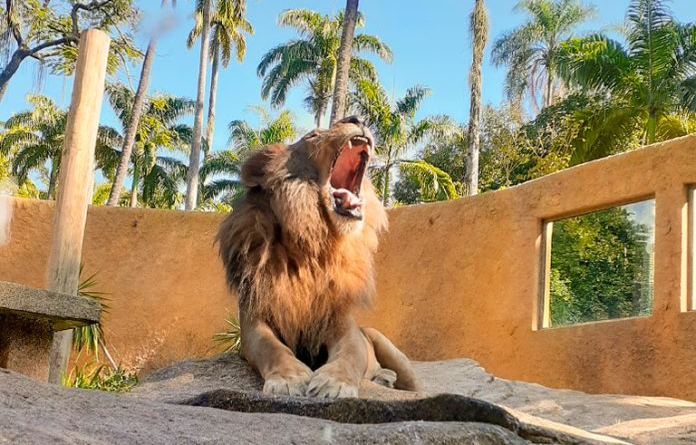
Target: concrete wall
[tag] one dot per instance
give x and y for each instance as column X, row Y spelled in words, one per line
column 455, row 279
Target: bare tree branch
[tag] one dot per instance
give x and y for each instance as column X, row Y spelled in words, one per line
column 86, row 7
column 14, row 27
column 56, row 42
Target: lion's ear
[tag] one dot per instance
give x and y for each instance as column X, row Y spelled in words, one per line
column 254, row 169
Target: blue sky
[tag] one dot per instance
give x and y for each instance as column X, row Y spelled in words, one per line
column 430, row 42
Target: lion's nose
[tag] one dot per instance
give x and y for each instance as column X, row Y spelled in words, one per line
column 351, row 120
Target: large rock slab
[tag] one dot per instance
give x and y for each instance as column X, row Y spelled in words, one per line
column 217, row 400
column 37, row 413
column 636, row 419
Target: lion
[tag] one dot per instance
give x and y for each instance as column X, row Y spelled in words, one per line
column 298, row 252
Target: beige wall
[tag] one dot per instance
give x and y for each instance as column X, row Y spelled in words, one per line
column 455, row 279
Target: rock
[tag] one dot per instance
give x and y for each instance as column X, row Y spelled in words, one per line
column 218, row 400
column 38, row 413
column 565, row 412
column 638, row 419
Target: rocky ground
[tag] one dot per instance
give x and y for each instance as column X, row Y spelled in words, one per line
column 218, row 400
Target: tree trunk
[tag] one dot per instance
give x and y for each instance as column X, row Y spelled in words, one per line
column 132, row 130
column 134, row 187
column 52, row 176
column 651, row 130
column 479, row 31
column 210, row 126
column 195, row 158
column 549, row 88
column 385, row 181
column 319, row 116
column 12, row 66
column 344, row 53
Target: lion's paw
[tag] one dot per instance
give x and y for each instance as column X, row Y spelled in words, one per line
column 327, row 385
column 288, row 384
column 385, row 377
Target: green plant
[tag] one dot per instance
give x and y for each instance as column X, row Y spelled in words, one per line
column 231, row 339
column 102, row 377
column 90, row 337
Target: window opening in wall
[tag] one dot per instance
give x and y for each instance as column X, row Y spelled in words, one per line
column 600, row 265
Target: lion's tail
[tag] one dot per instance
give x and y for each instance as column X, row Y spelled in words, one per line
column 390, row 357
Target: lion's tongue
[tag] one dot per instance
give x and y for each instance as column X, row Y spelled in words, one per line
column 347, row 199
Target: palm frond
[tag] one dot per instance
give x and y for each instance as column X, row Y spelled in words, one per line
column 372, row 44
column 435, row 184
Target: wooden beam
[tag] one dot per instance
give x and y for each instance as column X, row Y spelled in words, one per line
column 75, row 181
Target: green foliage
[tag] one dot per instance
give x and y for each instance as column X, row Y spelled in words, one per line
column 33, row 140
column 156, row 177
column 49, row 32
column 601, row 267
column 435, row 184
column 272, row 129
column 229, row 340
column 441, row 155
column 649, row 79
column 102, row 377
column 395, row 129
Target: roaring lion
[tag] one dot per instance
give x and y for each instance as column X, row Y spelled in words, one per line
column 298, row 250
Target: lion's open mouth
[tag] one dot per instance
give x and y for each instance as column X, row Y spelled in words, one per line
column 346, row 177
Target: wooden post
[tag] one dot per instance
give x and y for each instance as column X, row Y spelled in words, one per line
column 75, row 182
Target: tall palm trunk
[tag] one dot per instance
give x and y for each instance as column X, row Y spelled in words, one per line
column 479, row 31
column 350, row 18
column 131, row 131
column 319, row 116
column 136, row 113
column 651, row 127
column 191, row 200
column 52, row 179
column 134, row 187
column 549, row 99
column 385, row 180
column 210, row 125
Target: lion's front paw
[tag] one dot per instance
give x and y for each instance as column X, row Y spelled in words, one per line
column 293, row 383
column 328, row 384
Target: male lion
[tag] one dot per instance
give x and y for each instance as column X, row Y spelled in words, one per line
column 298, row 252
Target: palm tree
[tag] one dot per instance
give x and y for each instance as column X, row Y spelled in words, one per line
column 132, row 127
column 313, row 58
column 478, row 29
column 228, row 25
column 531, row 51
column 244, row 138
column 158, row 129
column 650, row 81
column 34, row 139
column 340, row 93
column 396, row 129
column 220, row 180
column 195, row 156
